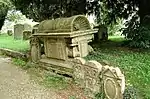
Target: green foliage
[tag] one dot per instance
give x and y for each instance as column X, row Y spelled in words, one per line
column 47, row 9
column 21, row 63
column 107, row 12
column 139, row 34
column 134, row 63
column 9, row 43
column 130, row 93
column 114, row 29
column 4, row 6
column 15, row 16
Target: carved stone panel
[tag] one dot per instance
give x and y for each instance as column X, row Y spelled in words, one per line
column 113, row 83
column 35, row 49
column 92, row 72
column 78, row 71
column 83, row 47
column 55, row 48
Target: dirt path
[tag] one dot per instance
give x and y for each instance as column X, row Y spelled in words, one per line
column 15, row 84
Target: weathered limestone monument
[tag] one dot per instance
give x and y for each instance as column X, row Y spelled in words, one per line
column 19, row 29
column 65, row 42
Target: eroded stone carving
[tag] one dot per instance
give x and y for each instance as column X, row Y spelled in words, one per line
column 78, row 71
column 35, row 49
column 92, row 71
column 55, row 48
column 74, row 23
column 114, row 82
column 99, row 79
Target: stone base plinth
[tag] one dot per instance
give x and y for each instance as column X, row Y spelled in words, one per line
column 58, row 66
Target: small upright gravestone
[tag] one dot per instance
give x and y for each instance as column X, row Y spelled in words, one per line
column 19, row 29
column 102, row 34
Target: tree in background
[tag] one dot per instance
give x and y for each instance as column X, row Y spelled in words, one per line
column 40, row 10
column 137, row 13
column 15, row 16
column 106, row 11
column 4, row 6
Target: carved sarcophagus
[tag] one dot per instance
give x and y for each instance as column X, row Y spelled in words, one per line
column 65, row 37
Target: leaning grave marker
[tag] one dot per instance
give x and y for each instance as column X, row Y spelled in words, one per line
column 65, row 43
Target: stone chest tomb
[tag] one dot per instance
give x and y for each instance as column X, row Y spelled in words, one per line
column 65, row 38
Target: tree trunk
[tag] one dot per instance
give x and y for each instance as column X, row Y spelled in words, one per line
column 1, row 23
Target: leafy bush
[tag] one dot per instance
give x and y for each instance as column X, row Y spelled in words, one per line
column 130, row 93
column 138, row 33
column 114, row 29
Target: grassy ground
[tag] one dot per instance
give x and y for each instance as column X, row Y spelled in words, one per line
column 135, row 63
column 9, row 43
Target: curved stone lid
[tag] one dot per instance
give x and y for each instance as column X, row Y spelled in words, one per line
column 74, row 23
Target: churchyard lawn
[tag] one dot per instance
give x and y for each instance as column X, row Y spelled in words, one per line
column 134, row 62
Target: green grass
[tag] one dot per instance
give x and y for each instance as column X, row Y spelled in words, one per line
column 116, row 38
column 135, row 63
column 55, row 81
column 17, row 45
column 47, row 79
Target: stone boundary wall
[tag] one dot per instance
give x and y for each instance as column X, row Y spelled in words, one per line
column 14, row 54
column 95, row 78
